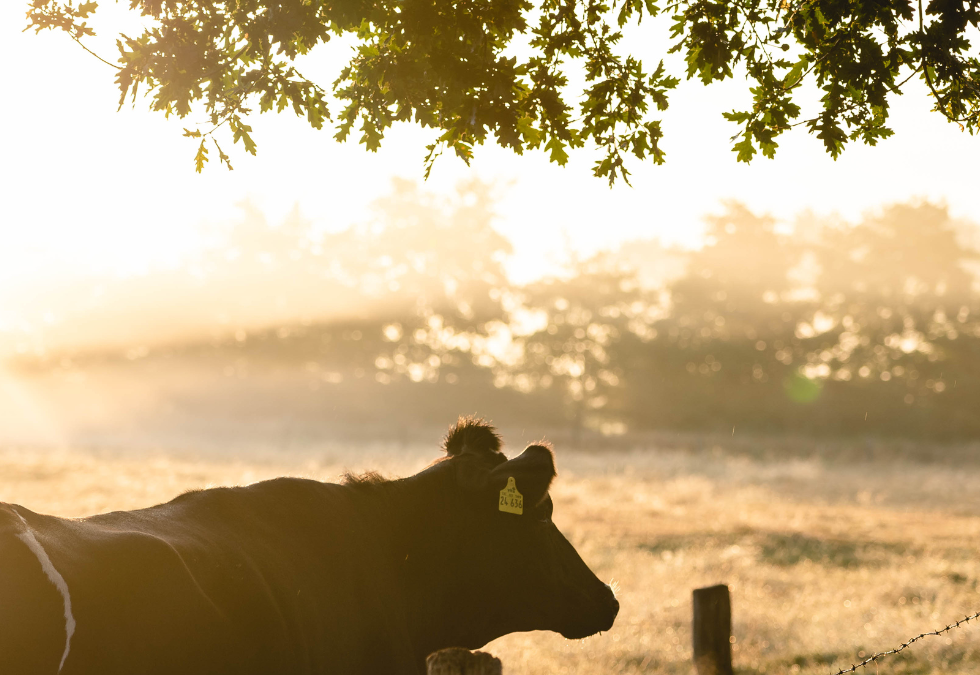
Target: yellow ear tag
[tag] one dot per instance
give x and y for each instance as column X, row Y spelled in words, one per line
column 511, row 501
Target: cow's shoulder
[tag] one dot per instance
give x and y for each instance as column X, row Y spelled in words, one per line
column 214, row 504
column 33, row 613
column 268, row 522
column 18, row 521
column 10, row 520
column 286, row 488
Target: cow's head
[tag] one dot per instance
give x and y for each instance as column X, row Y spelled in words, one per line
column 505, row 565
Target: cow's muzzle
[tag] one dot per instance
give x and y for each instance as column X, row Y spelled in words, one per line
column 603, row 608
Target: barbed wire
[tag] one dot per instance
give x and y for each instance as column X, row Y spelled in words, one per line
column 902, row 647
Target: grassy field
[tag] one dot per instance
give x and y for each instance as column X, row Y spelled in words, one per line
column 827, row 560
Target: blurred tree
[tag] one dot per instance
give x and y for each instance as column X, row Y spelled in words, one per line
column 908, row 251
column 589, row 324
column 656, row 265
column 443, row 254
column 744, row 266
column 434, row 267
column 255, row 273
column 724, row 351
column 475, row 70
column 818, row 330
column 899, row 315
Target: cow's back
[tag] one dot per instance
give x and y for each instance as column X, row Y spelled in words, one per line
column 33, row 630
column 276, row 577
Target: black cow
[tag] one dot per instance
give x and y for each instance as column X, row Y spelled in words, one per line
column 293, row 576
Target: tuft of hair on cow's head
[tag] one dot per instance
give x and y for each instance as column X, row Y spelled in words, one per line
column 471, row 434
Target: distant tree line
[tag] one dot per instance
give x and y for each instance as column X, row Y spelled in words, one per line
column 825, row 328
column 832, row 328
column 870, row 328
column 829, row 329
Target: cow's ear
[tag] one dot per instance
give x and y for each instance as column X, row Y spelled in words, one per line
column 531, row 472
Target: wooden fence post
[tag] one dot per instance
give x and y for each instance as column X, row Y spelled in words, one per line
column 458, row 661
column 712, row 630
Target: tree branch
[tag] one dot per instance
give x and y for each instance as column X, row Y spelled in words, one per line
column 940, row 103
column 117, row 67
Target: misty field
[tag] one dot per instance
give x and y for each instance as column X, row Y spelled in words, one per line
column 827, row 559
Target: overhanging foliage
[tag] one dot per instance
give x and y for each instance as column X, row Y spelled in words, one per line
column 445, row 66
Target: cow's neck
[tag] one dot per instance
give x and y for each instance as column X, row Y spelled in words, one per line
column 420, row 528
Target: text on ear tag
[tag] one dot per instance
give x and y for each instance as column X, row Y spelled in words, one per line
column 511, row 501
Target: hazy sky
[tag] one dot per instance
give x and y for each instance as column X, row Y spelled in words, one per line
column 85, row 186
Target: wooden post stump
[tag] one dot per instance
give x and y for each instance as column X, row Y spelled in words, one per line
column 712, row 631
column 457, row 661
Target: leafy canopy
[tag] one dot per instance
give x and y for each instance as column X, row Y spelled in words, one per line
column 446, row 66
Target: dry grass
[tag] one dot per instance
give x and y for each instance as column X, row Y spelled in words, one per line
column 826, row 561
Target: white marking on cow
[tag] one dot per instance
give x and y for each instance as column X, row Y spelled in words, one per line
column 55, row 578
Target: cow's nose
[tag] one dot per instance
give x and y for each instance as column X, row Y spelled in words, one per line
column 613, row 605
column 611, row 602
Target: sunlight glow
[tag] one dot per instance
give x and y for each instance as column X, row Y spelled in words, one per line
column 88, row 189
